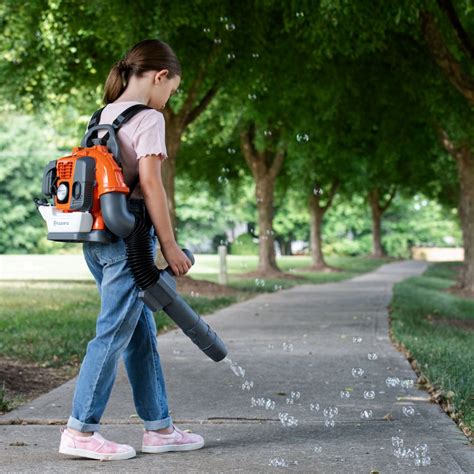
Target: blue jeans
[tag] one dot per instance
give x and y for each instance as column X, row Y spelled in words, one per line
column 125, row 326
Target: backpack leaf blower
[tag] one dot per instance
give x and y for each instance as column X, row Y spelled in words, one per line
column 90, row 205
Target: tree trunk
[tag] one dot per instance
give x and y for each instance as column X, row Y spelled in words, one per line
column 316, row 215
column 465, row 163
column 265, row 169
column 264, row 196
column 377, row 248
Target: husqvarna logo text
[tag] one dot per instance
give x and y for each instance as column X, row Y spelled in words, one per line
column 60, row 223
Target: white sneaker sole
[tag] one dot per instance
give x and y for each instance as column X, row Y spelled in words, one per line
column 172, row 447
column 100, row 456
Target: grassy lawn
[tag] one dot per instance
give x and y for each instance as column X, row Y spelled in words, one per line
column 51, row 322
column 436, row 327
column 207, row 268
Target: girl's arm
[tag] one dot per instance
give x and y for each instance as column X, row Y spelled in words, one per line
column 157, row 206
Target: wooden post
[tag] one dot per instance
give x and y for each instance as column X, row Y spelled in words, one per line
column 222, row 250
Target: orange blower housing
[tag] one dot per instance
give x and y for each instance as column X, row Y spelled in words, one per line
column 76, row 182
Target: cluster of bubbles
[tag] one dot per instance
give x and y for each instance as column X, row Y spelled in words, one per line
column 231, row 151
column 252, row 96
column 372, row 356
column 259, row 282
column 317, row 191
column 267, row 133
column 314, row 407
column 231, row 56
column 255, row 55
column 293, row 396
column 357, row 372
column 302, row 138
column 366, row 414
column 247, row 385
column 356, row 339
column 419, row 453
column 299, row 14
column 408, row 410
column 329, row 414
column 266, row 403
column 392, row 381
column 287, row 420
column 369, row 394
column 288, row 346
column 223, row 180
column 281, row 462
column 238, row 371
column 345, row 393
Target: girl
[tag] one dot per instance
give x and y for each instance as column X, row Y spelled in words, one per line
column 149, row 74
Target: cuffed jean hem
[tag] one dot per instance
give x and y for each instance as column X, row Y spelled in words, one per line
column 158, row 424
column 80, row 426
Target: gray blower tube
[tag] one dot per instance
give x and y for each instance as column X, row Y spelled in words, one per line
column 157, row 287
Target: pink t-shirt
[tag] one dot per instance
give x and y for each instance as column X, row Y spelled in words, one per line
column 143, row 134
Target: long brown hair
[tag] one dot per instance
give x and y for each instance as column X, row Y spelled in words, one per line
column 147, row 55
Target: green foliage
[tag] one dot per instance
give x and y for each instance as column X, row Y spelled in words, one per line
column 428, row 320
column 244, row 245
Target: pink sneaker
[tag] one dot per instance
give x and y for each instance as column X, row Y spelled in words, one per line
column 94, row 447
column 178, row 440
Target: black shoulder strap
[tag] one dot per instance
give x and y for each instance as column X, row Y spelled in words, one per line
column 126, row 115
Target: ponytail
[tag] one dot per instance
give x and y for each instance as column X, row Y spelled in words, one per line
column 147, row 55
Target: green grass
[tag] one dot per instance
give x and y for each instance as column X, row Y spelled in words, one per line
column 51, row 322
column 422, row 319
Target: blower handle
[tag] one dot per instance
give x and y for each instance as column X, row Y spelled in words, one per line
column 188, row 254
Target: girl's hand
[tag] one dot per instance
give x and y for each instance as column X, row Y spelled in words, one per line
column 176, row 258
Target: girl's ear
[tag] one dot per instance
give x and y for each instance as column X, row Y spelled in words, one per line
column 160, row 75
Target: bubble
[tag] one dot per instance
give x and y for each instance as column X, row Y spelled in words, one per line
column 278, row 462
column 223, row 180
column 252, row 96
column 222, row 19
column 314, row 406
column 295, row 395
column 397, row 442
column 287, row 420
column 289, row 401
column 329, row 423
column 267, row 133
column 255, row 55
column 392, row 381
column 231, row 151
column 317, row 449
column 299, row 14
column 356, row 339
column 225, row 169
column 288, row 347
column 345, row 394
column 206, row 30
column 357, row 372
column 247, row 385
column 217, row 41
column 408, row 410
column 230, row 56
column 330, row 412
column 421, row 449
column 407, row 383
column 302, row 138
column 366, row 414
column 372, row 356
column 230, row 26
column 369, row 394
column 269, row 405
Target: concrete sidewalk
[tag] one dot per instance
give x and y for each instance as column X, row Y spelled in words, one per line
column 296, row 344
